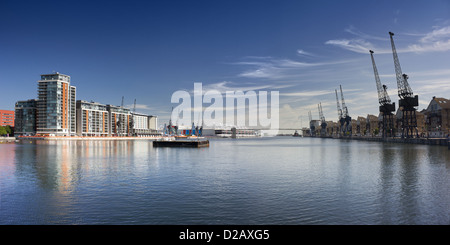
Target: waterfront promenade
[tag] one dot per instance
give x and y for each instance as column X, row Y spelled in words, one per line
column 7, row 139
column 421, row 141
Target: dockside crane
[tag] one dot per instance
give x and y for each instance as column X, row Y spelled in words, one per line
column 386, row 106
column 346, row 117
column 312, row 127
column 341, row 121
column 408, row 101
column 323, row 123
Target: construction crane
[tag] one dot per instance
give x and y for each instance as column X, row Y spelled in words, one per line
column 386, row 106
column 312, row 127
column 347, row 130
column 408, row 101
column 323, row 124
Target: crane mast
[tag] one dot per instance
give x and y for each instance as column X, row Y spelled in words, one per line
column 383, row 97
column 338, row 106
column 344, row 107
column 323, row 124
column 340, row 119
column 407, row 100
column 404, row 90
column 347, row 120
column 322, row 118
column 386, row 107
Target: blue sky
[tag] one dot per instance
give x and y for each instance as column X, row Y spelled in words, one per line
column 147, row 50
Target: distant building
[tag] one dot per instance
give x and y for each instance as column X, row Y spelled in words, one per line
column 361, row 126
column 437, row 117
column 330, row 128
column 6, row 118
column 336, row 128
column 398, row 121
column 305, row 131
column 92, row 119
column 371, row 124
column 314, row 127
column 144, row 125
column 119, row 117
column 153, row 122
column 421, row 118
column 56, row 114
column 95, row 119
column 26, row 114
column 354, row 125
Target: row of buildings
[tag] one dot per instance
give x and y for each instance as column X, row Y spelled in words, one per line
column 6, row 118
column 56, row 112
column 434, row 121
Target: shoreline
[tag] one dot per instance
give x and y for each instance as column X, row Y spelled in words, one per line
column 12, row 139
column 421, row 141
column 85, row 138
column 7, row 139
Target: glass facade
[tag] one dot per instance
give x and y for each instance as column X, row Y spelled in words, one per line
column 92, row 119
column 26, row 112
column 56, row 112
column 56, row 105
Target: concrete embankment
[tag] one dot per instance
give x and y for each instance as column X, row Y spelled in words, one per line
column 7, row 139
column 86, row 138
column 423, row 141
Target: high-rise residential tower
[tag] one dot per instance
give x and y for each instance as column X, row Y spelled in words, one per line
column 56, row 106
column 25, row 123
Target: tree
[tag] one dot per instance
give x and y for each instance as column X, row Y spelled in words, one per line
column 2, row 131
column 376, row 131
column 8, row 129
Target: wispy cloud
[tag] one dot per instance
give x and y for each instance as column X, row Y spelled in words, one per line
column 302, row 52
column 360, row 44
column 281, row 68
column 225, row 86
column 355, row 45
column 434, row 41
column 436, row 35
column 308, row 93
column 141, row 107
column 352, row 30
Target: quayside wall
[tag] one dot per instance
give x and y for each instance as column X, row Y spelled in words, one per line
column 423, row 141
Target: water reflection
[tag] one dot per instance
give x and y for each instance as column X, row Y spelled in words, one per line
column 410, row 188
column 409, row 183
column 264, row 181
column 387, row 190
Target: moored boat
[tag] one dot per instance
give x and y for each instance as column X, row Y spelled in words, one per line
column 182, row 141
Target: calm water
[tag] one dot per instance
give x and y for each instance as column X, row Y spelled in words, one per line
column 281, row 180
